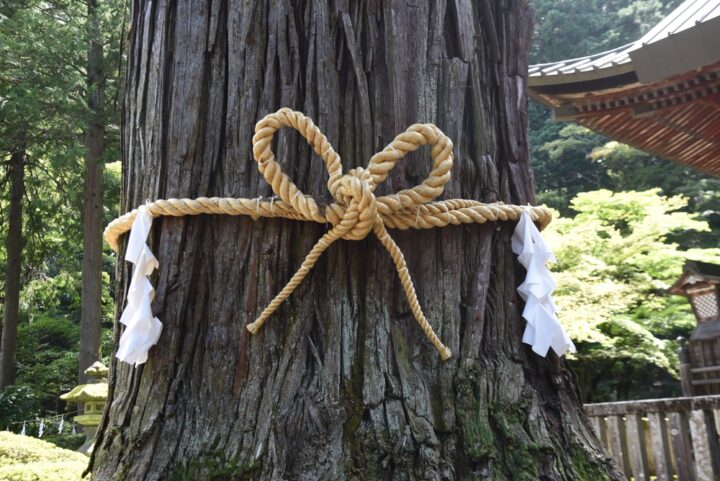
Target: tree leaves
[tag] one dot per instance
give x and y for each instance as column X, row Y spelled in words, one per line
column 615, row 264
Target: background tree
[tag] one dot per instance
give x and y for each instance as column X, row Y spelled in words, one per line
column 616, row 260
column 35, row 113
column 43, row 72
column 340, row 383
column 8, row 345
column 91, row 312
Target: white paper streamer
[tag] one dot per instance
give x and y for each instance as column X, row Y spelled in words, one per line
column 543, row 329
column 143, row 329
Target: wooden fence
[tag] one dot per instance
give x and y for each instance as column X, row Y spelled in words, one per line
column 666, row 439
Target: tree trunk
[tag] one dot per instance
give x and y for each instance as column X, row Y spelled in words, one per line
column 340, row 383
column 91, row 310
column 8, row 344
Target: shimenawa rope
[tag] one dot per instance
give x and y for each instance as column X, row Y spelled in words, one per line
column 356, row 211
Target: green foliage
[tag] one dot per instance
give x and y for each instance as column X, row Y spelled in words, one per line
column 567, row 168
column 17, row 404
column 23, row 458
column 632, row 169
column 43, row 87
column 43, row 471
column 66, row 440
column 59, row 295
column 47, row 359
column 43, row 111
column 596, row 26
column 615, row 264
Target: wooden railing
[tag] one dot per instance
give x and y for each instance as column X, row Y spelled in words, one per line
column 666, row 439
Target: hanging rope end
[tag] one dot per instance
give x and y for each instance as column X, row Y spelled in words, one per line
column 445, row 353
column 254, row 327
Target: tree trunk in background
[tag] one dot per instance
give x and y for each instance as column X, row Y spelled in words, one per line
column 91, row 310
column 340, row 383
column 8, row 345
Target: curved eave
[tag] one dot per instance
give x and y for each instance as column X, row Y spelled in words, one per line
column 592, row 68
column 554, row 94
column 600, row 74
column 687, row 39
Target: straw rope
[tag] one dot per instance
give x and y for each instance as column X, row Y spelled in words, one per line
column 356, row 211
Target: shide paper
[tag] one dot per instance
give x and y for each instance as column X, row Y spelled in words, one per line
column 543, row 329
column 142, row 328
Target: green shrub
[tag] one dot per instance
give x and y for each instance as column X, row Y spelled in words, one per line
column 49, row 331
column 43, row 471
column 66, row 441
column 18, row 403
column 23, row 458
column 47, row 361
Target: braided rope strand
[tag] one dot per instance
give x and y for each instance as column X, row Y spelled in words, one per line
column 356, row 211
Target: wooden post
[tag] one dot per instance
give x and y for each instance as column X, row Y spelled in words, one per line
column 660, row 447
column 685, row 368
column 704, row 445
column 637, row 451
column 680, row 438
column 596, row 422
column 618, row 442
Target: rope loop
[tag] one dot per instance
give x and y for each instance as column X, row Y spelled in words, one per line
column 354, row 195
column 356, row 211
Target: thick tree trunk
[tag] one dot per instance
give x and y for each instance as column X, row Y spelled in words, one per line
column 340, row 383
column 91, row 310
column 8, row 345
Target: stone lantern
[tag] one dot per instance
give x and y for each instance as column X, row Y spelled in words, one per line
column 700, row 355
column 93, row 397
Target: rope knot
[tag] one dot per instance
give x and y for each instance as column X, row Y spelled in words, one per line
column 357, row 210
column 355, row 193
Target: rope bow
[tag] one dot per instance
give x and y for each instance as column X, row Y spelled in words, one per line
column 356, row 210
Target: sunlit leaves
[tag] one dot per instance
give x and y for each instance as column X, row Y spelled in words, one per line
column 615, row 264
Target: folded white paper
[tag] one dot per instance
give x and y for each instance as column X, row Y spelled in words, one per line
column 142, row 328
column 543, row 329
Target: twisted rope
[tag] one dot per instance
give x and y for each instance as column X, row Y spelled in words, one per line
column 356, row 211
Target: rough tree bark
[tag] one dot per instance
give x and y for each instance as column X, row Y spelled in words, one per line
column 340, row 383
column 8, row 344
column 91, row 309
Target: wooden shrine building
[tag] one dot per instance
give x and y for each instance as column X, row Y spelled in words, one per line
column 700, row 360
column 660, row 94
